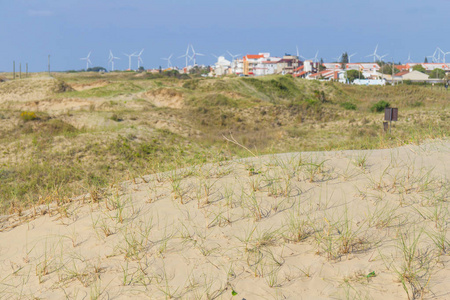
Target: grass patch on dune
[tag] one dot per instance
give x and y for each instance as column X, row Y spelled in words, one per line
column 110, row 90
column 67, row 154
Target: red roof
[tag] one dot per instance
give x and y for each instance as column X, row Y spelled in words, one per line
column 300, row 74
column 323, row 73
column 401, row 67
column 253, row 56
column 402, row 73
column 299, row 68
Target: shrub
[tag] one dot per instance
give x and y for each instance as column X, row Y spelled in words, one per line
column 116, row 118
column 191, row 84
column 416, row 104
column 28, row 116
column 380, row 106
column 348, row 106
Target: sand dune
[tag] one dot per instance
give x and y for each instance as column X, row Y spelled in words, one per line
column 314, row 225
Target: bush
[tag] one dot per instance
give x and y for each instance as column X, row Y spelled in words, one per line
column 116, row 118
column 348, row 106
column 28, row 116
column 416, row 104
column 380, row 106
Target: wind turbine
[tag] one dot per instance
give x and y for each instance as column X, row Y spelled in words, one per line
column 88, row 61
column 233, row 56
column 381, row 57
column 374, row 54
column 194, row 55
column 338, row 58
column 298, row 54
column 169, row 64
column 350, row 56
column 129, row 59
column 439, row 50
column 111, row 59
column 409, row 58
column 186, row 55
column 314, row 59
column 140, row 59
column 445, row 53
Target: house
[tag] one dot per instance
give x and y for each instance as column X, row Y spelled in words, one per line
column 250, row 61
column 288, row 64
column 413, row 76
column 327, row 75
column 222, row 66
column 332, row 66
column 430, row 66
column 267, row 66
column 299, row 72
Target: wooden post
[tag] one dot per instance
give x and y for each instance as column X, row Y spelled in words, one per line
column 14, row 69
column 27, row 70
column 20, row 70
column 49, row 65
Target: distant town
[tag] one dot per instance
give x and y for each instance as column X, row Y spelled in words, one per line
column 433, row 69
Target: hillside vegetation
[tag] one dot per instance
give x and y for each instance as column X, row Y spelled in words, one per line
column 77, row 133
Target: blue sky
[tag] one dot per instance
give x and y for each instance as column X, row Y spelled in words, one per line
column 69, row 29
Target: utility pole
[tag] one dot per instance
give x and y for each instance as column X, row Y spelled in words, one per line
column 49, row 65
column 14, row 69
column 392, row 80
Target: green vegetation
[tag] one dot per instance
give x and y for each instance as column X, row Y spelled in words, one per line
column 387, row 69
column 101, row 129
column 380, row 106
column 348, row 105
column 437, row 73
column 419, row 68
column 27, row 116
column 354, row 74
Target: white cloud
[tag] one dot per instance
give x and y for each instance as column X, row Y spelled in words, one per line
column 40, row 13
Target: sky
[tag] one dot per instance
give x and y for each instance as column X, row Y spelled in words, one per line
column 68, row 30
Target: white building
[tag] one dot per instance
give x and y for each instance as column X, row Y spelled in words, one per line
column 222, row 66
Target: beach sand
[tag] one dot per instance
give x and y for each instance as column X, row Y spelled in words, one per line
column 313, row 225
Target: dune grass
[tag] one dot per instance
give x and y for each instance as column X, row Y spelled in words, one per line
column 123, row 135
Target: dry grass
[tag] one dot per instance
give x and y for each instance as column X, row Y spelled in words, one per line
column 118, row 126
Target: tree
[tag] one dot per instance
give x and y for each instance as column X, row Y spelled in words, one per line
column 419, row 68
column 387, row 69
column 425, row 61
column 321, row 67
column 96, row 69
column 437, row 73
column 354, row 74
column 344, row 60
